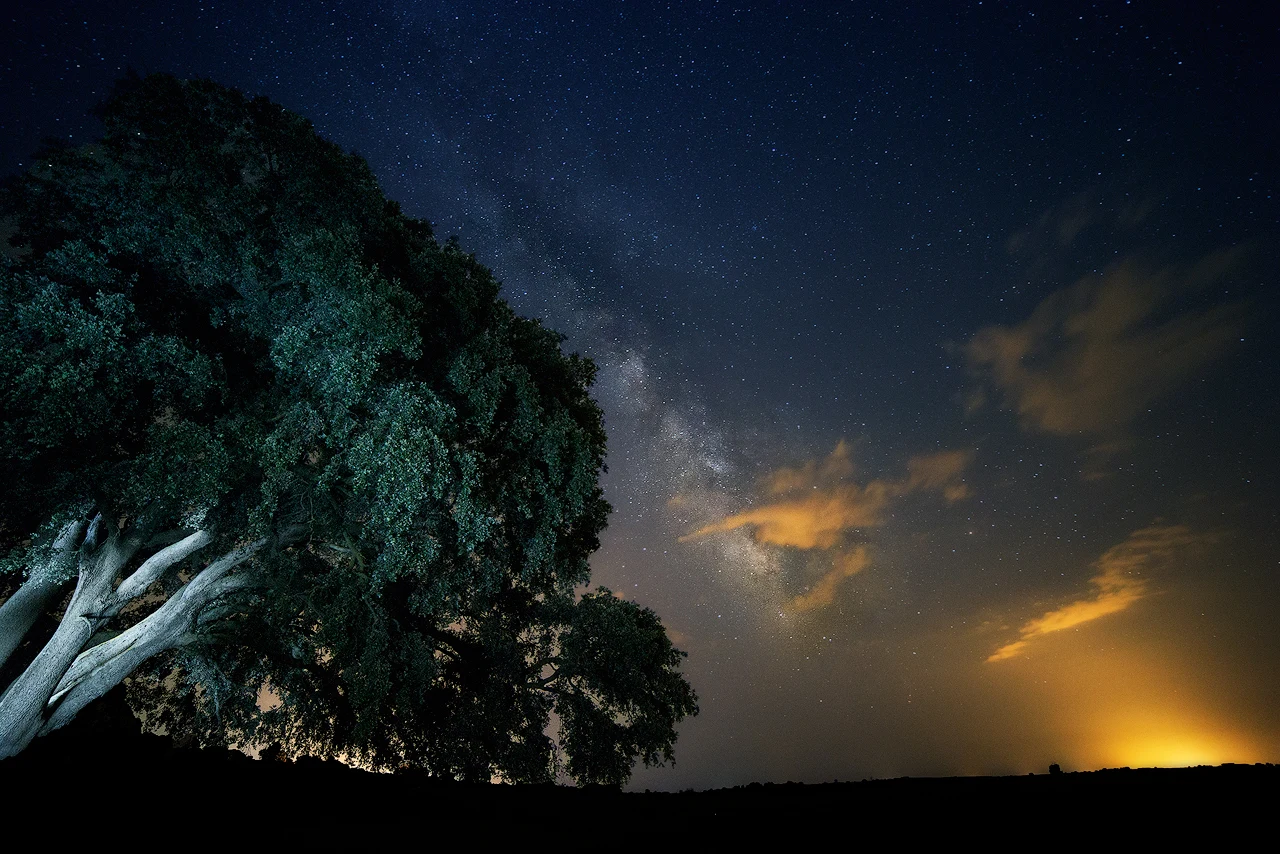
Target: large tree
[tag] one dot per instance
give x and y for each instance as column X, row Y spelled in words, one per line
column 292, row 466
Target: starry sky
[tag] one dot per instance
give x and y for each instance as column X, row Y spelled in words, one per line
column 937, row 341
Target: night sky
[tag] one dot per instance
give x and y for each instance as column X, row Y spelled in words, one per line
column 938, row 343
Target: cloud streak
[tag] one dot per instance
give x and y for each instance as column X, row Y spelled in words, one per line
column 823, row 593
column 1115, row 209
column 1093, row 356
column 817, row 506
column 1121, row 581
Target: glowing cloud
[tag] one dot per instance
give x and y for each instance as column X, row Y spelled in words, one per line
column 815, row 522
column 938, row 472
column 1090, row 357
column 816, row 507
column 821, row 512
column 836, row 467
column 823, row 593
column 1119, row 583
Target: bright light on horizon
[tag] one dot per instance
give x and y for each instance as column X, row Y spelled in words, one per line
column 1164, row 746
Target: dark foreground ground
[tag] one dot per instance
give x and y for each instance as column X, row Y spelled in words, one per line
column 97, row 778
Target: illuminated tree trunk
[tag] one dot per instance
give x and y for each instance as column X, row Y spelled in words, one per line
column 21, row 610
column 65, row 677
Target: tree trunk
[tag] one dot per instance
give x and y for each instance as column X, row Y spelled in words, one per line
column 22, row 704
column 21, row 610
column 64, row 677
column 99, row 669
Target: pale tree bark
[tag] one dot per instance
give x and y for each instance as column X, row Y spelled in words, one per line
column 65, row 677
column 22, row 704
column 156, row 565
column 99, row 669
column 21, row 610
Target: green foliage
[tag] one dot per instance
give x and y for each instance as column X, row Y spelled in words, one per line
column 622, row 669
column 213, row 317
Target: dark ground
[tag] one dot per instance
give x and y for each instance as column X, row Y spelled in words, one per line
column 148, row 779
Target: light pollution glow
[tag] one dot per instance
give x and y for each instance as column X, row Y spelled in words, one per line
column 1115, row 702
column 1137, row 707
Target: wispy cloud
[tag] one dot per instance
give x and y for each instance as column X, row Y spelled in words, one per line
column 1098, row 460
column 1106, row 209
column 836, row 467
column 1122, row 580
column 818, row 506
column 940, row 472
column 1094, row 355
column 823, row 593
column 818, row 521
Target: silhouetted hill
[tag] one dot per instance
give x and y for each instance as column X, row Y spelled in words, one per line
column 327, row 801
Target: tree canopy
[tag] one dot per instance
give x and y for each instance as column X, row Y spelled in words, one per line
column 317, row 485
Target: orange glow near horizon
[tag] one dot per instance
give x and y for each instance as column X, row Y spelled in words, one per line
column 1139, row 689
column 1169, row 744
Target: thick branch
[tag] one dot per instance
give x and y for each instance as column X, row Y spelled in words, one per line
column 101, row 668
column 157, row 626
column 155, row 566
column 22, row 705
column 214, row 572
column 21, row 610
column 225, row 587
column 96, row 671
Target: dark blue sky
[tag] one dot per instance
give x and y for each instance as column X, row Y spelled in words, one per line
column 1019, row 258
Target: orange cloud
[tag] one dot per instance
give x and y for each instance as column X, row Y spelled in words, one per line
column 818, row 521
column 820, row 517
column 836, row 467
column 1120, row 582
column 816, row 507
column 938, row 472
column 1090, row 357
column 823, row 593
